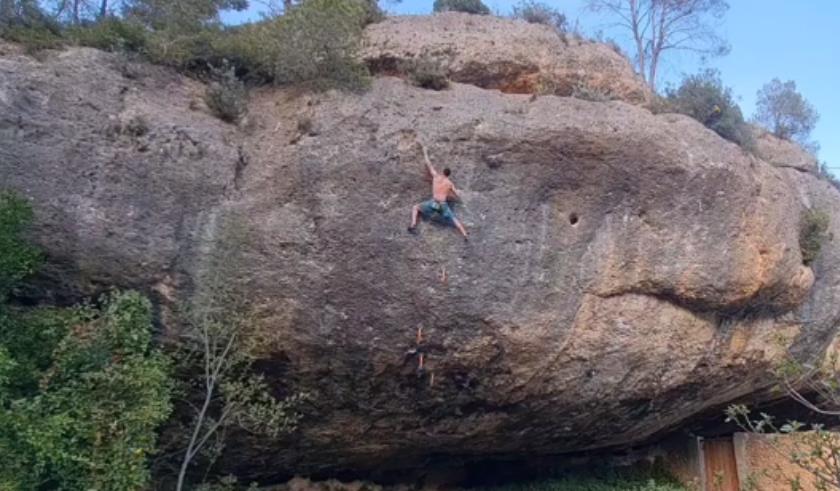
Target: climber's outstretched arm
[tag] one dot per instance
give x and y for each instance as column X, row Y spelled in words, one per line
column 454, row 193
column 429, row 166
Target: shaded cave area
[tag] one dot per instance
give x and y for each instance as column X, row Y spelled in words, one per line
column 661, row 454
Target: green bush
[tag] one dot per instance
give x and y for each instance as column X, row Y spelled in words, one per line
column 196, row 51
column 111, row 34
column 315, row 43
column 249, row 49
column 467, row 6
column 33, row 38
column 24, row 22
column 606, row 480
column 704, row 97
column 99, row 393
column 181, row 50
column 227, row 97
column 371, row 12
column 427, row 72
column 81, row 390
column 784, row 111
column 17, row 258
column 537, row 12
column 813, row 231
column 183, row 16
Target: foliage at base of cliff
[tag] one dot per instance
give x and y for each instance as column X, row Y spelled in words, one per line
column 608, row 479
column 82, row 390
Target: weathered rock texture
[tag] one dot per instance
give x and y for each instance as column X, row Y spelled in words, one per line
column 512, row 56
column 782, row 153
column 625, row 270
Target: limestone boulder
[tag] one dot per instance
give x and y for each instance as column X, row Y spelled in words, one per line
column 625, row 271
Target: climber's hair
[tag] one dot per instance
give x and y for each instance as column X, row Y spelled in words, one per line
column 446, row 172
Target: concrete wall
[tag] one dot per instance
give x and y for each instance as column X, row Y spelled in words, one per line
column 765, row 460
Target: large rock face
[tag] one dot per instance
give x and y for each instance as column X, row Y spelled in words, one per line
column 512, row 56
column 625, row 271
column 782, row 153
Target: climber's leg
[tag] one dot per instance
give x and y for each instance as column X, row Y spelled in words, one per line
column 415, row 212
column 460, row 227
column 426, row 208
column 449, row 216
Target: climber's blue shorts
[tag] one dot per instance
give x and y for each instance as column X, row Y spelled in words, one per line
column 431, row 207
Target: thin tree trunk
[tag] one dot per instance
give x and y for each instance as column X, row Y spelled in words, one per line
column 209, row 387
column 637, row 36
column 657, row 46
column 287, row 6
column 182, row 474
column 103, row 9
column 76, row 12
column 653, row 68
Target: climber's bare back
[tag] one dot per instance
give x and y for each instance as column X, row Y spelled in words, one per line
column 442, row 187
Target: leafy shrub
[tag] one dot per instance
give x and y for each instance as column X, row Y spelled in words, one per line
column 187, row 50
column 540, row 13
column 428, row 73
column 605, row 480
column 812, row 233
column 467, row 6
column 783, row 110
column 17, row 258
column 197, row 49
column 227, row 97
column 81, row 390
column 91, row 418
column 111, row 34
column 180, row 16
column 704, row 97
column 33, row 39
column 316, row 43
column 24, row 22
column 371, row 12
column 248, row 49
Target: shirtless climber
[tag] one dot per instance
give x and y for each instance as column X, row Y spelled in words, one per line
column 442, row 190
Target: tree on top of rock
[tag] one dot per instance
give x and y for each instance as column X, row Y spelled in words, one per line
column 537, row 12
column 782, row 109
column 659, row 26
column 467, row 6
column 180, row 13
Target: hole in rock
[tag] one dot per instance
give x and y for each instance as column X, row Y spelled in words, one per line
column 573, row 218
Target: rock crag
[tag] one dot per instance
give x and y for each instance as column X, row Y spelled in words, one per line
column 512, row 56
column 626, row 270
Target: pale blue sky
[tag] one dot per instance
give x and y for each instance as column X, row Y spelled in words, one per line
column 791, row 40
